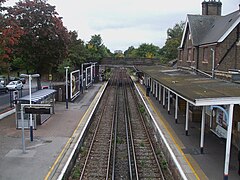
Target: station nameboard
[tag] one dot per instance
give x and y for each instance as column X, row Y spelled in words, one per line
column 38, row 110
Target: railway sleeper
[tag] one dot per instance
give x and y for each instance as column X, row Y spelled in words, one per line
column 100, row 145
column 98, row 155
column 144, row 150
column 96, row 176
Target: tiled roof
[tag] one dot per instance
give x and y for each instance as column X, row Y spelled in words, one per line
column 206, row 29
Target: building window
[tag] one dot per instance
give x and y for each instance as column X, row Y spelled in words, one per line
column 205, row 55
column 193, row 55
column 189, row 57
column 181, row 55
column 189, row 36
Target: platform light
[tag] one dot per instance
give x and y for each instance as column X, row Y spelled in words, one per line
column 66, row 68
column 30, row 76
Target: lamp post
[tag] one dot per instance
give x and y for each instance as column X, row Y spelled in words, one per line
column 82, row 78
column 66, row 68
column 30, row 76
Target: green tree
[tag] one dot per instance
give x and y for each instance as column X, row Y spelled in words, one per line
column 118, row 54
column 96, row 41
column 96, row 49
column 148, row 51
column 106, row 52
column 174, row 35
column 176, row 32
column 77, row 53
column 18, row 63
column 66, row 62
column 44, row 44
column 131, row 52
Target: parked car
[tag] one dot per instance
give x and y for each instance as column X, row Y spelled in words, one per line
column 2, row 80
column 23, row 80
column 15, row 85
column 11, row 78
column 3, row 89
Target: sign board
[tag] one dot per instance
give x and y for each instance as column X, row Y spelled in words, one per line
column 75, row 84
column 88, row 76
column 38, row 110
column 221, row 118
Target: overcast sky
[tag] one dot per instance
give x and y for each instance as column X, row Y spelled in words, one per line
column 124, row 23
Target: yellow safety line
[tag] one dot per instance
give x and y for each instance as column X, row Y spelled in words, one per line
column 178, row 147
column 69, row 140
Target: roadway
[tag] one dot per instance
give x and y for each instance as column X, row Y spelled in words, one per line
column 5, row 97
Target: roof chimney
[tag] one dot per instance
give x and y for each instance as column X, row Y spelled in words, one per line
column 212, row 7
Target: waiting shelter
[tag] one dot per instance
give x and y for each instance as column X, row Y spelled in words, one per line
column 44, row 96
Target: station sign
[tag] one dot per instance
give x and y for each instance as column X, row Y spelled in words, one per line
column 38, row 110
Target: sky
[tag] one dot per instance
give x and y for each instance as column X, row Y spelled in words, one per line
column 125, row 23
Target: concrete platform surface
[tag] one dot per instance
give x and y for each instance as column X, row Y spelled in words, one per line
column 50, row 139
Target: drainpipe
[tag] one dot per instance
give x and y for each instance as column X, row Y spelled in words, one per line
column 213, row 58
column 197, row 49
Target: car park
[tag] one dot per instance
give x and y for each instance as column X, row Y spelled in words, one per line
column 12, row 78
column 23, row 80
column 15, row 85
column 3, row 89
column 2, row 80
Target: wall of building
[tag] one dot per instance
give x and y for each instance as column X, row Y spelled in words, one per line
column 188, row 54
column 231, row 61
column 206, row 57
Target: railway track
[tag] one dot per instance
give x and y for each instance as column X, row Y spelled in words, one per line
column 121, row 149
column 146, row 162
column 118, row 145
column 97, row 165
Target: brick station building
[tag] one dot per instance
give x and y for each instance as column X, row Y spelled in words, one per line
column 211, row 42
column 209, row 55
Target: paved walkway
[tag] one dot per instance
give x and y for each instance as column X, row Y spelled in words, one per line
column 43, row 154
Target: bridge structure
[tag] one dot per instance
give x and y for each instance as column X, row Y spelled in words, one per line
column 129, row 62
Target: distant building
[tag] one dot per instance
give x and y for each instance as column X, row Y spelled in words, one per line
column 211, row 41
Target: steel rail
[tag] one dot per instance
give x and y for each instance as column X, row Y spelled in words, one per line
column 148, row 136
column 128, row 119
column 115, row 121
column 113, row 129
column 94, row 136
column 126, row 129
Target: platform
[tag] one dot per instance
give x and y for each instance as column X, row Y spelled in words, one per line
column 195, row 165
column 54, row 141
column 45, row 156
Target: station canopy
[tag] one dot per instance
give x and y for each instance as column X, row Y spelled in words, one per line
column 37, row 96
column 196, row 89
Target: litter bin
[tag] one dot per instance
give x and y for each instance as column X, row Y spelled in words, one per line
column 147, row 91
